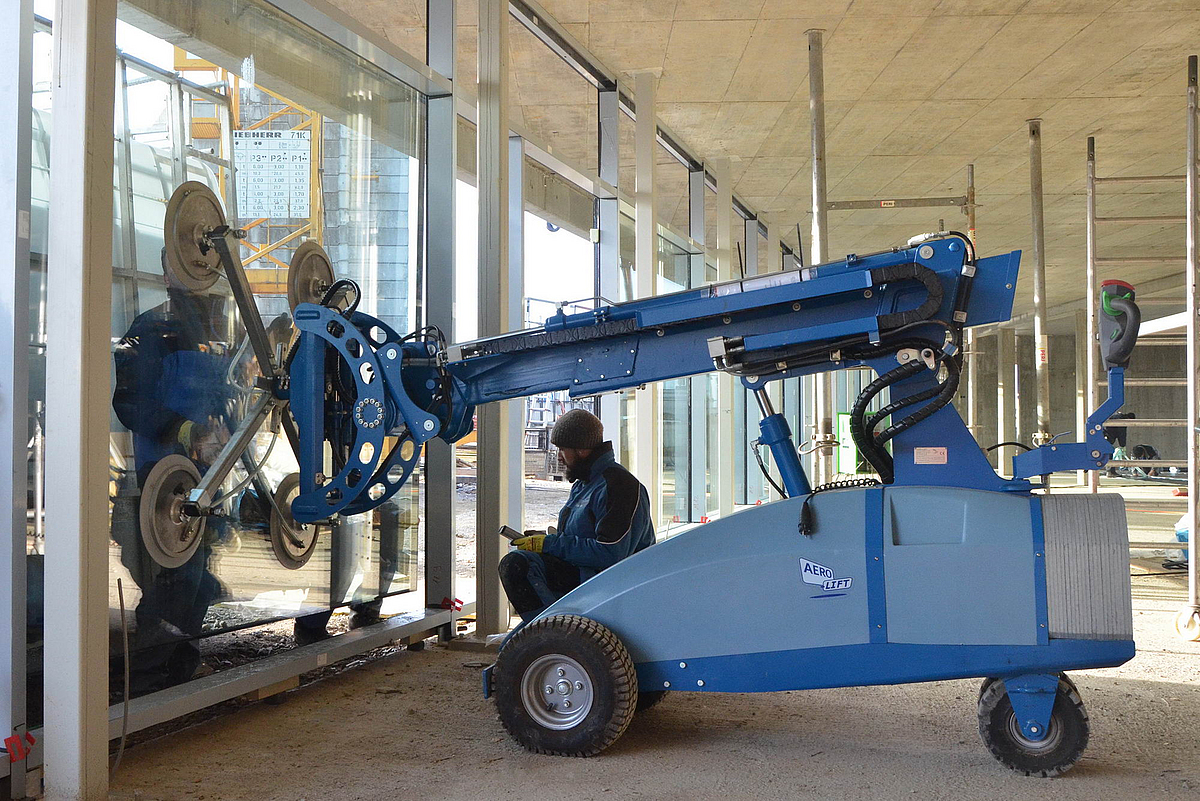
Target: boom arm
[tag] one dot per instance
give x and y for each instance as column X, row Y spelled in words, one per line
column 900, row 312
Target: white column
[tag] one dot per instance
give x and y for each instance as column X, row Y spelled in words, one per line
column 440, row 168
column 500, row 428
column 723, row 481
column 647, row 410
column 79, row 290
column 608, row 246
column 774, row 389
column 15, row 123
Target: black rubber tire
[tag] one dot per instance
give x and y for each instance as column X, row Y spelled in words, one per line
column 608, row 667
column 649, row 698
column 1068, row 730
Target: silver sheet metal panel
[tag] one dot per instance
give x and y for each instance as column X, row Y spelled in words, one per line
column 1087, row 566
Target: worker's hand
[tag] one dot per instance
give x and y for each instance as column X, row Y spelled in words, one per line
column 207, row 441
column 533, row 543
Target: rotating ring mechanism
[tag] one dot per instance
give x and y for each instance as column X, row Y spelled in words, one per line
column 339, row 383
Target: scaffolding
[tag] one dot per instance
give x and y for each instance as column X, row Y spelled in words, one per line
column 1188, row 621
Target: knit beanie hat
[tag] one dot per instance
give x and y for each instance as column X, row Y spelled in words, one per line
column 578, row 428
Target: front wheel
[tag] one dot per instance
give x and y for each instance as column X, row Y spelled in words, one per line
column 1056, row 753
column 565, row 685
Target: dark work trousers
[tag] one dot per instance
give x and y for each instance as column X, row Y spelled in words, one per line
column 533, row 581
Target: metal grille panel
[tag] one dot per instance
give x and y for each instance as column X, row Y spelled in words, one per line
column 1087, row 566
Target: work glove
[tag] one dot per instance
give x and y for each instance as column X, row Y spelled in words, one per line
column 531, row 543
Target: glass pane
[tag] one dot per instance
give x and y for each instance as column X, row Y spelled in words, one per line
column 303, row 143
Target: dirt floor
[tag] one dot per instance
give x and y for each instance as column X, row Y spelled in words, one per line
column 415, row 724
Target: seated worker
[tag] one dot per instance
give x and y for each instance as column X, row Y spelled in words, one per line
column 607, row 518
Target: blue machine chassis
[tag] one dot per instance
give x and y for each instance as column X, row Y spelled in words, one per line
column 884, row 593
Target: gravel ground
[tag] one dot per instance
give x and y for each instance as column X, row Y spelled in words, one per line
column 408, row 724
column 543, row 500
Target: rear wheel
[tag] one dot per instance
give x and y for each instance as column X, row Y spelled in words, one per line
column 1056, row 753
column 565, row 685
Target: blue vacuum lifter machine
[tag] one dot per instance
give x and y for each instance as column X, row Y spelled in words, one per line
column 938, row 569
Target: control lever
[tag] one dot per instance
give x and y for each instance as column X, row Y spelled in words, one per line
column 1120, row 320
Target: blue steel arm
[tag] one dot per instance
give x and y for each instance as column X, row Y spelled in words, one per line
column 1091, row 454
column 428, row 391
column 666, row 337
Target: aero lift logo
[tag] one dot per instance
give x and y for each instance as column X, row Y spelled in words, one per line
column 823, row 577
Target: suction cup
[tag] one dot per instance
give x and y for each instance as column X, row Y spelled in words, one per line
column 292, row 543
column 170, row 536
column 309, row 275
column 192, row 212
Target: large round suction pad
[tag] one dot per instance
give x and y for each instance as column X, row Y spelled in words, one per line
column 292, row 542
column 170, row 536
column 192, row 213
column 309, row 275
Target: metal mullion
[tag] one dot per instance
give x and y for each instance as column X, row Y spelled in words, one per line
column 697, row 385
column 1193, row 339
column 440, row 165
column 16, row 94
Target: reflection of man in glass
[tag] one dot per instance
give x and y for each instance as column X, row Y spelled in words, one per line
column 171, row 393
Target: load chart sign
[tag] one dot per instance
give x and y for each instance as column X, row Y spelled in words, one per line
column 273, row 173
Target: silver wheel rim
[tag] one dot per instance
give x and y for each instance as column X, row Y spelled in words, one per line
column 556, row 692
column 1048, row 743
column 170, row 537
column 295, row 554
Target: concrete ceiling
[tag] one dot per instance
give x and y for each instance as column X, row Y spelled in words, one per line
column 915, row 90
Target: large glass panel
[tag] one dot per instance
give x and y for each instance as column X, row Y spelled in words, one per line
column 673, row 274
column 560, row 272
column 302, row 142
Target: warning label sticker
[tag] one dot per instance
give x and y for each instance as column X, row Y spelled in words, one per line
column 929, row 455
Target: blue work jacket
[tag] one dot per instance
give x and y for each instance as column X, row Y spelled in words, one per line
column 606, row 517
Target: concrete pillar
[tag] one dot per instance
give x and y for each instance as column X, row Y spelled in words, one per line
column 647, row 411
column 78, row 364
column 501, row 425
